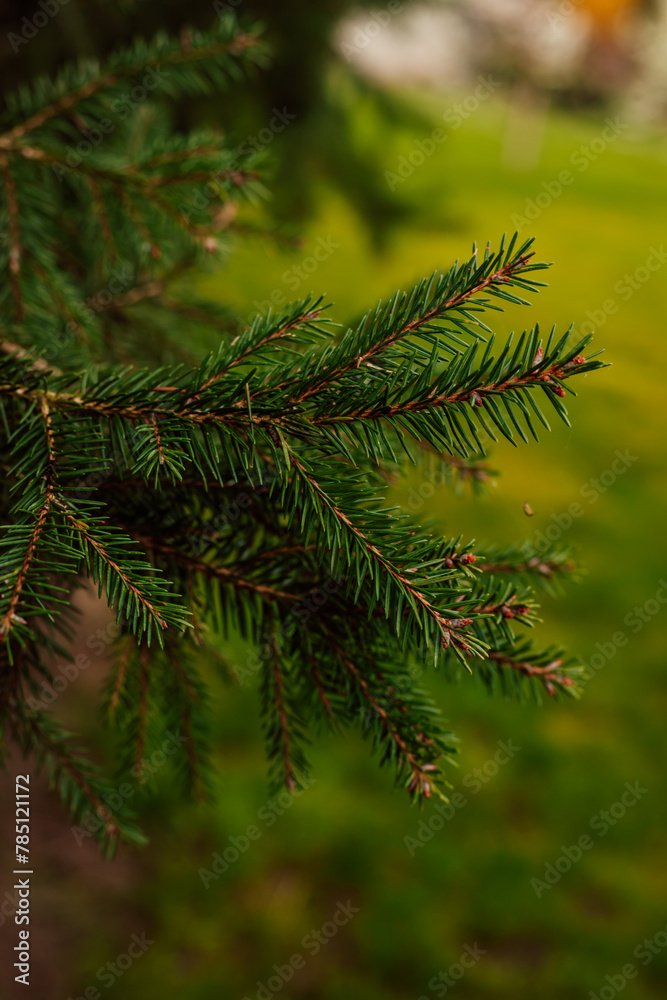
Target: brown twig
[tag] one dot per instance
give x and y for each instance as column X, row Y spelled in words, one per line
column 112, row 829
column 10, row 617
column 38, row 364
column 545, row 567
column 235, row 47
column 97, row 197
column 548, row 675
column 419, row 777
column 443, row 624
column 475, row 396
column 278, row 334
column 214, row 571
column 123, row 661
column 144, row 661
column 186, row 717
column 317, row 677
column 278, row 690
column 14, row 238
column 158, row 440
column 327, row 375
column 82, row 528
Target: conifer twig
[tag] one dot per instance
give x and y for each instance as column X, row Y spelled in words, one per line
column 244, row 495
column 105, row 80
column 285, row 740
column 14, row 238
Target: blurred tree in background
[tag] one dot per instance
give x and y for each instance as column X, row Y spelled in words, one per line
column 307, row 77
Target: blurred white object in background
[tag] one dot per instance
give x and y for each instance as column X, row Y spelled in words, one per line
column 647, row 97
column 419, row 43
column 447, row 44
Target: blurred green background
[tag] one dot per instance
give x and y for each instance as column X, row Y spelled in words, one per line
column 344, row 838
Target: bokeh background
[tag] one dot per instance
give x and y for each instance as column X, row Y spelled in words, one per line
column 577, row 86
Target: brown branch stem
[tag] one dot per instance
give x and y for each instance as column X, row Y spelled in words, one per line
column 279, row 692
column 14, row 238
column 235, row 47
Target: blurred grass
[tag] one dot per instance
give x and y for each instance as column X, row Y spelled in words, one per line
column 344, row 838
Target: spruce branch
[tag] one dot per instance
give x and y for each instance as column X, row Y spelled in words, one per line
column 14, row 238
column 124, row 65
column 211, row 571
column 422, row 773
column 186, row 698
column 38, row 364
column 129, row 584
column 77, row 780
column 367, row 551
column 281, row 735
column 404, row 316
column 244, row 494
column 546, row 568
column 552, row 675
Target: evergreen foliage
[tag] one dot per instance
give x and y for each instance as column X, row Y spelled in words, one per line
column 245, row 494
